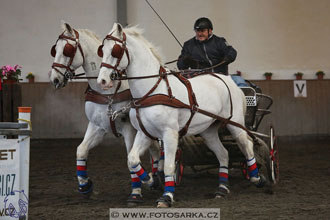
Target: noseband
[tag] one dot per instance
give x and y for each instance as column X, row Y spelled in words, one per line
column 69, row 51
column 117, row 52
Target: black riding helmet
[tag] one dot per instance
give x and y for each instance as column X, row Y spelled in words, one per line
column 203, row 23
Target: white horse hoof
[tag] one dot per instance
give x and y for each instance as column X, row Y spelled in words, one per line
column 162, row 205
column 164, row 201
column 219, row 196
column 222, row 192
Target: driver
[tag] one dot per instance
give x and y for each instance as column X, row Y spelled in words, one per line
column 206, row 49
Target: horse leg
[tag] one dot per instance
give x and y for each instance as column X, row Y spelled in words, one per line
column 156, row 161
column 170, row 139
column 135, row 197
column 92, row 138
column 128, row 133
column 141, row 143
column 213, row 142
column 245, row 144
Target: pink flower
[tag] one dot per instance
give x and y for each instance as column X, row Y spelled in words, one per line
column 9, row 68
column 8, row 71
column 17, row 67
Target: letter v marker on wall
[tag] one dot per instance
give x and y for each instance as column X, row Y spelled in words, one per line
column 300, row 88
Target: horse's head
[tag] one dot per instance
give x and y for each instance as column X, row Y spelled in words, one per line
column 114, row 62
column 68, row 56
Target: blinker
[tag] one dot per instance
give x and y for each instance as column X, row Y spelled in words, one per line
column 68, row 50
column 117, row 51
column 100, row 51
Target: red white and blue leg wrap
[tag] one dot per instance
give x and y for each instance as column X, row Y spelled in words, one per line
column 82, row 168
column 85, row 184
column 154, row 166
column 161, row 160
column 141, row 173
column 169, row 184
column 252, row 167
column 223, row 175
column 136, row 182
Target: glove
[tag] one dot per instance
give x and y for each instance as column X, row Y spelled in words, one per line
column 227, row 60
column 190, row 62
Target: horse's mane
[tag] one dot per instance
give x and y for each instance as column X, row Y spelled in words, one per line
column 91, row 34
column 137, row 32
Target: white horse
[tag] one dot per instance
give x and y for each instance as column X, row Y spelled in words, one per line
column 157, row 118
column 76, row 48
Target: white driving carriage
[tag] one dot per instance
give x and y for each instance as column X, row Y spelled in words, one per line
column 194, row 153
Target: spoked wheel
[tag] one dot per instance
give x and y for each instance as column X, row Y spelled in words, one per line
column 244, row 170
column 273, row 162
column 178, row 167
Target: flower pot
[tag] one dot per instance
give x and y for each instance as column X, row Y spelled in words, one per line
column 298, row 77
column 320, row 76
column 9, row 81
column 268, row 77
column 31, row 80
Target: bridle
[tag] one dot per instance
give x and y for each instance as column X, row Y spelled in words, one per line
column 117, row 52
column 69, row 51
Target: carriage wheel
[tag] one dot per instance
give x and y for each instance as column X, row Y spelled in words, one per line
column 273, row 162
column 244, row 170
column 178, row 167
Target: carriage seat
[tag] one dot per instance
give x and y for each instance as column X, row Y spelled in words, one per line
column 251, row 106
column 257, row 106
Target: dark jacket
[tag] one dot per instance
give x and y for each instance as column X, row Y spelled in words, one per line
column 199, row 55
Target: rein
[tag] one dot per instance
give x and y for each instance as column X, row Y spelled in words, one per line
column 161, row 99
column 78, row 76
column 121, row 76
column 170, row 100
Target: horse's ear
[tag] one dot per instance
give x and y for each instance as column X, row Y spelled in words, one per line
column 66, row 27
column 119, row 28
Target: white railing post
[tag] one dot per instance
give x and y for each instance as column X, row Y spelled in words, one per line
column 24, row 116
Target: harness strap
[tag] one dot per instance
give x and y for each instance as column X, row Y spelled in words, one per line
column 94, row 96
column 112, row 122
column 161, row 99
column 192, row 101
column 141, row 124
column 226, row 121
column 162, row 75
column 230, row 99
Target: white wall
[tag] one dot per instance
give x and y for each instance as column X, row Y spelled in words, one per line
column 279, row 36
column 29, row 28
